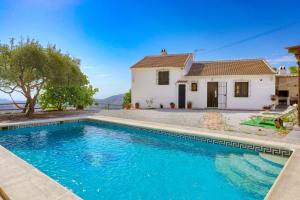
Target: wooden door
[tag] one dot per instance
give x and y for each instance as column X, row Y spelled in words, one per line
column 212, row 94
column 181, row 96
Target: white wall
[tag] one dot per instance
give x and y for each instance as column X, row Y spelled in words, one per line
column 261, row 87
column 144, row 86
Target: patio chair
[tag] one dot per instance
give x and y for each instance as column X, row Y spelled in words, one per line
column 270, row 114
column 276, row 116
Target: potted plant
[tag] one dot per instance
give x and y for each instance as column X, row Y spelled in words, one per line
column 267, row 107
column 189, row 105
column 172, row 105
column 127, row 106
column 161, row 106
column 288, row 122
column 137, row 105
column 149, row 103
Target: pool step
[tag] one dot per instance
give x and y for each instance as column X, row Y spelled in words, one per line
column 262, row 164
column 247, row 171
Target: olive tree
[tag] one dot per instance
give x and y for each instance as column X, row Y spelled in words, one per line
column 62, row 97
column 26, row 67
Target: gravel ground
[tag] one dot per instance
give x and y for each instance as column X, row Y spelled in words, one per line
column 192, row 118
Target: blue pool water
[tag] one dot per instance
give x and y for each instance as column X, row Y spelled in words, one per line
column 109, row 161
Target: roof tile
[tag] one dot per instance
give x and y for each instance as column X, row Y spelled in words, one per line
column 172, row 60
column 233, row 67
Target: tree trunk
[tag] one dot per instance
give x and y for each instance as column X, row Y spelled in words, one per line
column 25, row 107
column 30, row 110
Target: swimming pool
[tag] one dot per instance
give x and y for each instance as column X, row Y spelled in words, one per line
column 99, row 160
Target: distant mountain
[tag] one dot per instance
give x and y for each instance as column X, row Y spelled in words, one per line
column 4, row 100
column 115, row 99
column 7, row 105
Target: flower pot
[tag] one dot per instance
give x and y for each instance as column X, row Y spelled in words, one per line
column 127, row 106
column 273, row 97
column 288, row 125
column 172, row 105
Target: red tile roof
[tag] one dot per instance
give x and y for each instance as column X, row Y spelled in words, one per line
column 231, row 67
column 172, row 60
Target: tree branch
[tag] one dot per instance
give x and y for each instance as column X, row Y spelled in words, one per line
column 19, row 107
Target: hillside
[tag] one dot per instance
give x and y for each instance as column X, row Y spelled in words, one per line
column 115, row 99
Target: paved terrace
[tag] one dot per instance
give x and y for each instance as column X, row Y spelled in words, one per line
column 222, row 120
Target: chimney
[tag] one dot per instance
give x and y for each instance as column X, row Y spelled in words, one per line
column 282, row 70
column 163, row 52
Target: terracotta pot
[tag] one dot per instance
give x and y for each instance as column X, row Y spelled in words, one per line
column 172, row 105
column 127, row 106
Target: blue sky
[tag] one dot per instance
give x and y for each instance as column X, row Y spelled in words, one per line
column 109, row 36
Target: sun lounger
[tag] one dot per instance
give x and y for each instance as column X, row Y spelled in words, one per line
column 276, row 116
column 291, row 110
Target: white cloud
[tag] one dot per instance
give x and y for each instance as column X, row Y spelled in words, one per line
column 282, row 59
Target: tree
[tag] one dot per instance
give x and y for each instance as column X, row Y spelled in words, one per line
column 83, row 96
column 127, row 99
column 293, row 69
column 28, row 66
column 54, row 98
column 62, row 97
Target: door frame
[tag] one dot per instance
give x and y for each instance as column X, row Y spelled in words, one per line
column 216, row 98
column 178, row 100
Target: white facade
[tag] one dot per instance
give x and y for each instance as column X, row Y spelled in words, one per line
column 146, row 91
column 144, row 87
column 261, row 87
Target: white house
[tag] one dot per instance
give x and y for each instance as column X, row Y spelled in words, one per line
column 160, row 80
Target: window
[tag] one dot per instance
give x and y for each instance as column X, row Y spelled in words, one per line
column 163, row 78
column 194, row 87
column 283, row 93
column 241, row 89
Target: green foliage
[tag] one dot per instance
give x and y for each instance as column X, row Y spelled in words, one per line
column 54, row 98
column 127, row 99
column 293, row 69
column 27, row 67
column 287, row 119
column 81, row 97
column 62, row 97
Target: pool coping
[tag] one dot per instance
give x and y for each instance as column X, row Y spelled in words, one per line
column 286, row 185
column 21, row 180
